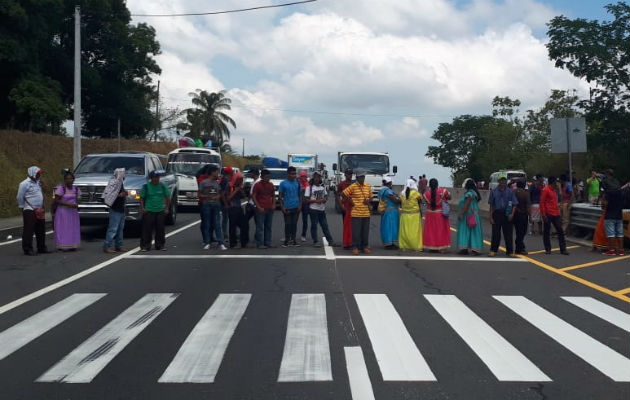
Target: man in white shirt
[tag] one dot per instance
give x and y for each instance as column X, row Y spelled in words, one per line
column 316, row 196
column 30, row 199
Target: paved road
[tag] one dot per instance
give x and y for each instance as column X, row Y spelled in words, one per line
column 311, row 323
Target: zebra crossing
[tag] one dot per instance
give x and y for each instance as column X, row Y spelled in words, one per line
column 307, row 349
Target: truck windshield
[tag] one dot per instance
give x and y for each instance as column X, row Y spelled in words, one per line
column 372, row 163
column 190, row 163
column 107, row 165
column 277, row 174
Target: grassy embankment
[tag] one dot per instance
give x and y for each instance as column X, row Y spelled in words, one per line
column 20, row 150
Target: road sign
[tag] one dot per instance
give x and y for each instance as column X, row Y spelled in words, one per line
column 574, row 141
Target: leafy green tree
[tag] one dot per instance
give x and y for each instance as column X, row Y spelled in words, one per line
column 208, row 118
column 38, row 103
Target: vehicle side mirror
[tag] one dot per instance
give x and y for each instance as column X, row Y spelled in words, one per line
column 335, row 167
column 395, row 169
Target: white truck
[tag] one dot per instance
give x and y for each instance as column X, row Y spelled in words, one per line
column 184, row 164
column 303, row 162
column 375, row 164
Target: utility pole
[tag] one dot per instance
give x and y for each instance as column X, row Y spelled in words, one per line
column 157, row 115
column 77, row 86
column 119, row 135
column 243, row 147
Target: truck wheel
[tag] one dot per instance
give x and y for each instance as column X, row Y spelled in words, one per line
column 172, row 212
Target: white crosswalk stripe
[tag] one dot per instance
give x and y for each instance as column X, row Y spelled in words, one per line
column 600, row 356
column 23, row 333
column 602, row 310
column 87, row 360
column 398, row 357
column 306, row 355
column 199, row 358
column 503, row 359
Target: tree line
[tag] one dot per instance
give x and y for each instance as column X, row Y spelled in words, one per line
column 599, row 52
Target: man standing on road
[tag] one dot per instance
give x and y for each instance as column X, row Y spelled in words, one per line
column 264, row 196
column 290, row 197
column 521, row 216
column 613, row 215
column 116, row 225
column 534, row 195
column 592, row 185
column 317, row 196
column 359, row 195
column 30, row 199
column 155, row 201
column 502, row 207
column 551, row 215
column 346, row 209
column 211, row 197
column 303, row 181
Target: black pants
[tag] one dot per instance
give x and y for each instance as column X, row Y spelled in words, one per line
column 556, row 220
column 521, row 223
column 239, row 220
column 319, row 217
column 305, row 213
column 501, row 223
column 290, row 225
column 36, row 226
column 153, row 221
column 360, row 232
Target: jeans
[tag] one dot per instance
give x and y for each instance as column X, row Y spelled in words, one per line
column 33, row 225
column 521, row 223
column 263, row 223
column 210, row 222
column 305, row 213
column 360, row 232
column 556, row 221
column 501, row 223
column 153, row 221
column 318, row 216
column 240, row 221
column 115, row 229
column 290, row 225
column 224, row 223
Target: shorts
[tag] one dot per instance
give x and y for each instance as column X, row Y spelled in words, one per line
column 593, row 199
column 613, row 227
column 535, row 213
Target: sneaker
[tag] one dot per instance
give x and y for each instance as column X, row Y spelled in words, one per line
column 206, row 247
column 610, row 253
column 367, row 250
column 355, row 252
column 285, row 245
column 222, row 247
column 492, row 254
column 621, row 253
column 109, row 251
column 144, row 250
column 295, row 244
column 163, row 248
column 303, row 238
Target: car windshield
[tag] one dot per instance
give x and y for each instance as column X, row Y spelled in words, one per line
column 278, row 174
column 107, row 165
column 371, row 163
column 190, row 163
column 511, row 175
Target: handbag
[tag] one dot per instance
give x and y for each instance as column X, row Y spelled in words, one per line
column 471, row 220
column 40, row 213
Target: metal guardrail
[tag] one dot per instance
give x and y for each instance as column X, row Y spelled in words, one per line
column 585, row 215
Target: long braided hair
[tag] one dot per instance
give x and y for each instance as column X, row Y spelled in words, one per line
column 433, row 184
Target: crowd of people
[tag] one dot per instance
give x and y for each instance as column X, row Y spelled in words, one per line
column 416, row 219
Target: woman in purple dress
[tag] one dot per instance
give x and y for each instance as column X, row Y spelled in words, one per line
column 67, row 225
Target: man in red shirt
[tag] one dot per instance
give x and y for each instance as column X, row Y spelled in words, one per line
column 551, row 215
column 264, row 196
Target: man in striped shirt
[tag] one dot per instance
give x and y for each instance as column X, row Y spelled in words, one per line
column 359, row 195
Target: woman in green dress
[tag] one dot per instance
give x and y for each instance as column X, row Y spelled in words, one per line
column 410, row 237
column 469, row 233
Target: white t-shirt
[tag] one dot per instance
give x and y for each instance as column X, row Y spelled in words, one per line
column 251, row 190
column 319, row 192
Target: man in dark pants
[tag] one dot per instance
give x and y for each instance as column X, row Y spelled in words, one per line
column 521, row 216
column 30, row 198
column 502, row 207
column 359, row 195
column 290, row 198
column 550, row 213
column 155, row 200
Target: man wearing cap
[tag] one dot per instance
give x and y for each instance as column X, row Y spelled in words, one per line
column 346, row 209
column 359, row 195
column 30, row 199
column 502, row 207
column 155, row 200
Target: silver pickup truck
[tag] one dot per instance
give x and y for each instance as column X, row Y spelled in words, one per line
column 95, row 170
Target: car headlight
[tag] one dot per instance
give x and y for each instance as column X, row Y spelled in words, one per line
column 135, row 194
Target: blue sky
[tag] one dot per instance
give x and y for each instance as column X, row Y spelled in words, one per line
column 364, row 74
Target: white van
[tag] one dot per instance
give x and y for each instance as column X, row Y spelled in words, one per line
column 184, row 163
column 511, row 174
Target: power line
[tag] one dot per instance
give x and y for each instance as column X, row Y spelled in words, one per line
column 225, row 11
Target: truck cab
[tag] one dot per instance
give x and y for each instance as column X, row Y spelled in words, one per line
column 184, row 164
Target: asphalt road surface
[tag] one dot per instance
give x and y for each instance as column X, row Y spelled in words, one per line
column 311, row 323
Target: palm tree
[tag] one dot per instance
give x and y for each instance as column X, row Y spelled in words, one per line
column 208, row 119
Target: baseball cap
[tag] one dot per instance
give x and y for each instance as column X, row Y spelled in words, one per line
column 228, row 170
column 157, row 172
column 387, row 179
column 502, row 176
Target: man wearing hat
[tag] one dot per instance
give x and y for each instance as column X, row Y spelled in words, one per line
column 359, row 195
column 30, row 199
column 155, row 201
column 502, row 207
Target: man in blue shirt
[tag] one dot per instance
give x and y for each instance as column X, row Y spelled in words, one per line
column 502, row 207
column 290, row 194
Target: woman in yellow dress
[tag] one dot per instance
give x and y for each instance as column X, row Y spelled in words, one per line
column 410, row 237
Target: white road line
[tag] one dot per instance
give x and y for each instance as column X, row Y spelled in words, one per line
column 503, row 359
column 19, row 240
column 87, row 360
column 306, row 355
column 199, row 358
column 328, row 250
column 79, row 275
column 398, row 357
column 360, row 385
column 225, row 256
column 602, row 310
column 26, row 331
column 481, row 260
column 600, row 356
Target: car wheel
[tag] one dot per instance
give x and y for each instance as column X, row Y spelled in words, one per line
column 172, row 212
